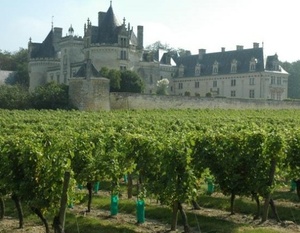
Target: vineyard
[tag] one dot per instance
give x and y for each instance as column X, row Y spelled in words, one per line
column 46, row 155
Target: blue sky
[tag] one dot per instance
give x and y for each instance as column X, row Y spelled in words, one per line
column 188, row 24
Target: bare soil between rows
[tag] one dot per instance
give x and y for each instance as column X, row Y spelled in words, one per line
column 9, row 225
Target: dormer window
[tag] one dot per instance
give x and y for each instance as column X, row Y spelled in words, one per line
column 276, row 65
column 233, row 66
column 252, row 65
column 181, row 71
column 123, row 42
column 215, row 68
column 197, row 69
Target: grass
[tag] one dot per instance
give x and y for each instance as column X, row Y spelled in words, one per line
column 286, row 205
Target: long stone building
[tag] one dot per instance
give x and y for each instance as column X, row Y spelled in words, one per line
column 242, row 73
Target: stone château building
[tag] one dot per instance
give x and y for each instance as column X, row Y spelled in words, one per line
column 242, row 73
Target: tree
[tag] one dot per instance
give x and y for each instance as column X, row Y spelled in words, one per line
column 115, row 80
column 14, row 97
column 162, row 86
column 294, row 79
column 16, row 62
column 51, row 96
column 131, row 82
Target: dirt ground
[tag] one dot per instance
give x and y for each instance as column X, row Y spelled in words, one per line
column 9, row 225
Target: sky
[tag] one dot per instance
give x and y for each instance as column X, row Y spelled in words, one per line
column 186, row 24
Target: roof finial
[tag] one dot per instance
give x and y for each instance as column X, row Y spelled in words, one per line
column 52, row 23
column 110, row 2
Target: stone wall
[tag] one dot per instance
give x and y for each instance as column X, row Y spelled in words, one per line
column 137, row 101
column 89, row 94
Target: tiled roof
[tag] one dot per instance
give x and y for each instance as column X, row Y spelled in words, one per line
column 45, row 49
column 224, row 60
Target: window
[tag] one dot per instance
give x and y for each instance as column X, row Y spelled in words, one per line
column 151, row 79
column 197, row 70
column 272, row 95
column 278, row 96
column 234, row 66
column 65, row 78
column 123, row 55
column 181, row 70
column 215, row 70
column 180, row 85
column 215, row 83
column 252, row 65
column 215, row 67
column 123, row 42
column 122, row 68
column 278, row 80
column 233, row 82
column 251, row 81
column 232, row 93
column 251, row 94
column 273, row 80
column 197, row 85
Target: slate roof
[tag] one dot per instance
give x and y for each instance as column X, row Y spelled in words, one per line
column 82, row 72
column 224, row 59
column 45, row 49
column 270, row 62
column 109, row 28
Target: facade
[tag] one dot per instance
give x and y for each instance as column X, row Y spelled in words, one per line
column 238, row 74
column 241, row 73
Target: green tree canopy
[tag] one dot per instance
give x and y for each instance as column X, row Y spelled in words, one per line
column 50, row 96
column 125, row 81
column 18, row 62
column 131, row 82
column 294, row 79
column 14, row 97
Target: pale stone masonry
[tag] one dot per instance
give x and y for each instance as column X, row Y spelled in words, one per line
column 242, row 73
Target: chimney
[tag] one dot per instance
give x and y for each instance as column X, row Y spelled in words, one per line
column 101, row 16
column 239, row 47
column 223, row 49
column 140, row 37
column 255, row 45
column 201, row 53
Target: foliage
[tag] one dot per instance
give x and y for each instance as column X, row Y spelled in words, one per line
column 18, row 62
column 131, row 82
column 162, row 86
column 125, row 81
column 246, row 151
column 50, row 96
column 294, row 79
column 14, row 97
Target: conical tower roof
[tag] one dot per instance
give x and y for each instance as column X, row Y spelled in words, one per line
column 109, row 28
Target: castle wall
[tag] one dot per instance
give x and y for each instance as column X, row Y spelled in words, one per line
column 137, row 101
column 38, row 71
column 89, row 94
